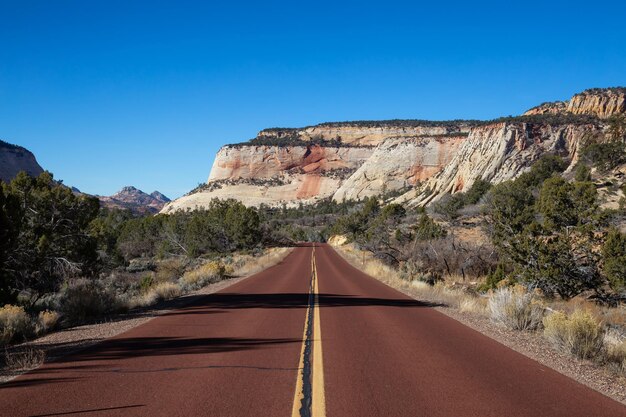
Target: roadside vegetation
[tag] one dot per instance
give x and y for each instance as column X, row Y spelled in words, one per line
column 540, row 253
column 64, row 260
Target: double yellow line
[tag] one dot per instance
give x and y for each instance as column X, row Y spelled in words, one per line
column 309, row 399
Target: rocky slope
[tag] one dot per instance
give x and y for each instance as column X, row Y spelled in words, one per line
column 501, row 151
column 600, row 102
column 135, row 200
column 397, row 165
column 14, row 159
column 423, row 159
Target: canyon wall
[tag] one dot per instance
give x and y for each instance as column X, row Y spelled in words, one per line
column 397, row 165
column 499, row 152
column 424, row 160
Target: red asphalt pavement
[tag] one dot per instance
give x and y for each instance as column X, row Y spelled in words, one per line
column 236, row 353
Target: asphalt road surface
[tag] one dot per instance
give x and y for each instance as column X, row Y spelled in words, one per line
column 309, row 336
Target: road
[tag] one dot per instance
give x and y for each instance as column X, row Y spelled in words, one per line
column 311, row 335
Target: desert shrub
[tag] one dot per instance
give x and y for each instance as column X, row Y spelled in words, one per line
column 449, row 256
column 166, row 291
column 449, row 205
column 14, row 323
column 582, row 173
column 579, row 333
column 493, row 279
column 170, row 270
column 515, row 308
column 472, row 304
column 82, row 299
column 478, row 189
column 614, row 254
column 604, row 155
column 427, row 229
column 146, row 282
column 46, row 321
column 24, row 359
column 616, row 355
column 205, row 274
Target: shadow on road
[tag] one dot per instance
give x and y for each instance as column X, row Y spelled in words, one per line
column 229, row 301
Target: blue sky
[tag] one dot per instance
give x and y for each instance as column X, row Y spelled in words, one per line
column 113, row 93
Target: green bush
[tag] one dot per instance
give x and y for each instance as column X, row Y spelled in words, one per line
column 614, row 255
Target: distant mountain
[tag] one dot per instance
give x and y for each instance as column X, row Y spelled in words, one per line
column 14, row 159
column 135, row 200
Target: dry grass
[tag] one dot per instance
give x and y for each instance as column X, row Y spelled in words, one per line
column 170, row 269
column 615, row 351
column 516, row 308
column 24, row 359
column 475, row 305
column 13, row 322
column 579, row 333
column 166, row 291
column 244, row 265
column 205, row 274
column 440, row 293
column 46, row 321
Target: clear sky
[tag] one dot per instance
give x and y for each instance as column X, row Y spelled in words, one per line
column 113, row 93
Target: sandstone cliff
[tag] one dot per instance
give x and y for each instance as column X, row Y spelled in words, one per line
column 14, row 159
column 600, row 102
column 397, row 165
column 423, row 159
column 275, row 175
column 501, row 151
column 293, row 166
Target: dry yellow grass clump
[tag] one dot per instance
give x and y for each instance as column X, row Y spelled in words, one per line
column 207, row 273
column 579, row 333
column 243, row 265
column 13, row 322
column 616, row 354
column 516, row 308
column 46, row 321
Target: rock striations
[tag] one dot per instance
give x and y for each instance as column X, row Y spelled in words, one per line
column 420, row 160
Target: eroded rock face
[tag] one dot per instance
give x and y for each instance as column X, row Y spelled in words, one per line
column 275, row 175
column 14, row 159
column 499, row 152
column 241, row 162
column 600, row 102
column 396, row 165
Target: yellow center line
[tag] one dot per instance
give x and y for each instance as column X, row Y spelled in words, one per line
column 317, row 403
